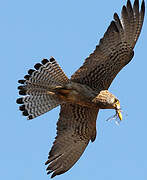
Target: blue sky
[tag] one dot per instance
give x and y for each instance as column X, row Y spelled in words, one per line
column 69, row 31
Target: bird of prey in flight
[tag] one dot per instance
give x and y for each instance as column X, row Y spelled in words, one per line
column 80, row 97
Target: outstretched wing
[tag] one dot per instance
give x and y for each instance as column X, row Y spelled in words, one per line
column 115, row 49
column 75, row 128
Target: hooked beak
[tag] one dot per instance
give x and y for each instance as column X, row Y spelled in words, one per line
column 118, row 110
column 119, row 114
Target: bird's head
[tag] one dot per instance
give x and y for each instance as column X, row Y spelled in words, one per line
column 106, row 100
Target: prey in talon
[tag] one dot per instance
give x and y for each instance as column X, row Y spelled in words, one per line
column 117, row 117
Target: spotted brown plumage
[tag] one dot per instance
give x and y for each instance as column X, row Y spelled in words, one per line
column 115, row 49
column 46, row 86
column 75, row 128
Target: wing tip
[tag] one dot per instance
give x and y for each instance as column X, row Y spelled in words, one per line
column 53, row 175
column 129, row 3
column 143, row 7
column 129, row 7
column 124, row 11
column 136, row 3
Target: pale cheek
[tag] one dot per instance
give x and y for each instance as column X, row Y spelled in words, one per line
column 112, row 101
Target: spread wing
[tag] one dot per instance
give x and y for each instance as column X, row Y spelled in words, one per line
column 75, row 128
column 115, row 49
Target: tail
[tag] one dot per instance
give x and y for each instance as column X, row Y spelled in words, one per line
column 37, row 98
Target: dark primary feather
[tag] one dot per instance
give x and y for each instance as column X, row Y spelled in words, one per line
column 115, row 49
column 75, row 128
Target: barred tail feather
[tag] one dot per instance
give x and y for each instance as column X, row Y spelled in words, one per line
column 36, row 87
